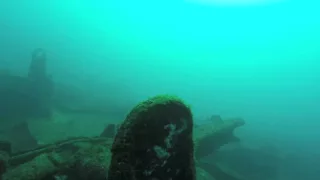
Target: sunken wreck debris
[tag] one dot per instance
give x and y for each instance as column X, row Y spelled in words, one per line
column 154, row 142
column 81, row 158
column 27, row 97
column 41, row 83
column 38, row 65
column 211, row 136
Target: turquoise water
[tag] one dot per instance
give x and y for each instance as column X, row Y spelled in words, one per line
column 256, row 60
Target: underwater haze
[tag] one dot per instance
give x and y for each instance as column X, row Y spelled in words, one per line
column 259, row 60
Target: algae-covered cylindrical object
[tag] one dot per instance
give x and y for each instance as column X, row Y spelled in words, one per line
column 154, row 142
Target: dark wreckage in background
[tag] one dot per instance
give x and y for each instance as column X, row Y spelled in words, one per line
column 36, row 95
column 30, row 96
